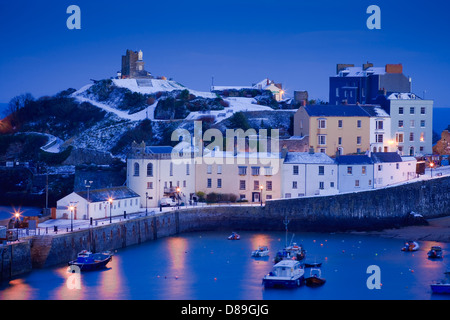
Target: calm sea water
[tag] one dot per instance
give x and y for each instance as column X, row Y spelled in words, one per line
column 207, row 266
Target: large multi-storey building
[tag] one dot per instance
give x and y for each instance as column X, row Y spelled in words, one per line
column 352, row 85
column 334, row 129
column 411, row 122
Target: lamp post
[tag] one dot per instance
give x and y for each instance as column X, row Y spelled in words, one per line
column 431, row 167
column 17, row 220
column 178, row 196
column 88, row 186
column 71, row 208
column 110, row 200
column 261, row 187
column 146, row 197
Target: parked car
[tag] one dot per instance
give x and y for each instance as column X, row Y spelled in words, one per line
column 167, row 202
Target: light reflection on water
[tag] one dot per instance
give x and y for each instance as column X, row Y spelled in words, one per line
column 207, row 266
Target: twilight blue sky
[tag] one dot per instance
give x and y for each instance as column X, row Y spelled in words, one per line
column 238, row 42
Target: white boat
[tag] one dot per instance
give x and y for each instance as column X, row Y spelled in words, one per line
column 285, row 274
column 262, row 251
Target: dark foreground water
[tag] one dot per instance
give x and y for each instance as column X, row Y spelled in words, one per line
column 207, row 266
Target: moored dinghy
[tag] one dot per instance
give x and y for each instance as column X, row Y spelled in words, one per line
column 262, row 251
column 411, row 246
column 88, row 261
column 315, row 279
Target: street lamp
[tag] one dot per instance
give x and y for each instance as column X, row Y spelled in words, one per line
column 17, row 220
column 87, row 188
column 178, row 196
column 110, row 200
column 71, row 209
column 261, row 187
column 146, row 197
column 432, row 166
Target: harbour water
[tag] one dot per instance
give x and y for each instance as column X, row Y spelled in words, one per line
column 207, row 266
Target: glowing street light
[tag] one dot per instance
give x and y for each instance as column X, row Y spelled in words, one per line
column 110, row 200
column 431, row 167
column 178, row 196
column 17, row 220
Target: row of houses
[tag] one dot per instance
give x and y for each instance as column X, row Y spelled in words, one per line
column 157, row 173
column 154, row 174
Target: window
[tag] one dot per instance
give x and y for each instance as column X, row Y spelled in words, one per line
column 370, row 182
column 269, row 185
column 363, row 170
column 322, row 123
column 422, row 110
column 412, row 123
column 358, row 123
column 150, row 185
column 219, row 169
column 356, row 183
column 397, row 166
column 422, row 136
column 321, row 185
column 188, row 169
column 209, row 183
column 295, row 170
column 150, row 170
column 321, row 170
column 171, row 169
column 349, row 170
column 294, row 184
column 339, row 140
column 411, row 110
column 219, row 183
column 256, row 185
column 411, row 136
column 379, row 138
column 241, row 184
column 380, row 167
column 242, row 171
column 399, row 137
column 209, row 169
column 331, row 184
column 422, row 123
column 358, row 150
column 268, row 171
column 255, row 171
column 287, row 195
column 400, row 123
column 268, row 197
column 136, row 169
column 184, row 184
column 321, row 139
column 358, row 140
column 339, row 123
column 400, row 110
column 379, row 125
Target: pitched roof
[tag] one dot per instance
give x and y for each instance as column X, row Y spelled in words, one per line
column 374, row 110
column 329, row 110
column 116, row 193
column 386, row 157
column 306, row 157
column 354, row 159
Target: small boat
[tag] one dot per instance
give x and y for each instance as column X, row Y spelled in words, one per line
column 88, row 261
column 262, row 251
column 315, row 279
column 411, row 246
column 285, row 274
column 442, row 286
column 234, row 236
column 313, row 265
column 294, row 252
column 435, row 252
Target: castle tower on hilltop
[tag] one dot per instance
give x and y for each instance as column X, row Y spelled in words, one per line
column 133, row 66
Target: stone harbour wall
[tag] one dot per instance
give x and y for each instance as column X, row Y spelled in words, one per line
column 368, row 210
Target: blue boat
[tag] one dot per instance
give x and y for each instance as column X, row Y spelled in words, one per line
column 442, row 286
column 88, row 261
column 285, row 274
